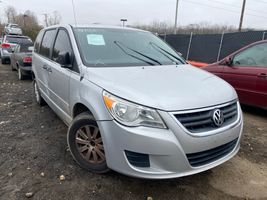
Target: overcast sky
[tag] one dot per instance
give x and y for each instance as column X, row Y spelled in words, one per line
column 226, row 12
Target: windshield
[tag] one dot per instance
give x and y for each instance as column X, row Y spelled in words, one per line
column 14, row 26
column 106, row 47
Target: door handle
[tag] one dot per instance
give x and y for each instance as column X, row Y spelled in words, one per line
column 45, row 67
column 262, row 75
column 49, row 69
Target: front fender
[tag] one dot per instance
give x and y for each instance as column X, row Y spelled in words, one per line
column 90, row 95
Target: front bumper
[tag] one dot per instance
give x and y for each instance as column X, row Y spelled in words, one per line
column 167, row 148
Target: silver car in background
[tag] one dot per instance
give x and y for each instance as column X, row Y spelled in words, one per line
column 13, row 29
column 8, row 46
column 132, row 104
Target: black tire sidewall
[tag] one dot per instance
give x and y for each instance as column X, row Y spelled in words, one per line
column 82, row 120
column 3, row 61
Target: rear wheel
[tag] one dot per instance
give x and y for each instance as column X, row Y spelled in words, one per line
column 20, row 74
column 86, row 145
column 12, row 68
column 39, row 99
column 3, row 61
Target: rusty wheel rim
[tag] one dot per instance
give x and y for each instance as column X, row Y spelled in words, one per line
column 89, row 144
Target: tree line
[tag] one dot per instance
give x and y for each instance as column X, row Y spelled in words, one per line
column 28, row 21
column 200, row 28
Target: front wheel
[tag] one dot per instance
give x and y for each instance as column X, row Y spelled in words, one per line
column 86, row 145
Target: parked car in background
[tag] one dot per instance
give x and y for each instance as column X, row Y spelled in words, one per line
column 12, row 29
column 21, row 60
column 9, row 42
column 132, row 103
column 246, row 71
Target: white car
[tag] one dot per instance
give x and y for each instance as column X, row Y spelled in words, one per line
column 13, row 29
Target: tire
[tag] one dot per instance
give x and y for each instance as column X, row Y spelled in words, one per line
column 21, row 76
column 85, row 143
column 39, row 99
column 3, row 61
column 12, row 68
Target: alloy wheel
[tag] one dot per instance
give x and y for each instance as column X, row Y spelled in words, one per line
column 89, row 144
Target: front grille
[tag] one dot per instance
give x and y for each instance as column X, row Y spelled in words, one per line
column 202, row 121
column 205, row 157
column 137, row 159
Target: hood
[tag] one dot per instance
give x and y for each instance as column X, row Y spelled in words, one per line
column 168, row 88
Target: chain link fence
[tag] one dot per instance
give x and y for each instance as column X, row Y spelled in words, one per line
column 210, row 48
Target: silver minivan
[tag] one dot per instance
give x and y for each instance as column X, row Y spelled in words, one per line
column 133, row 104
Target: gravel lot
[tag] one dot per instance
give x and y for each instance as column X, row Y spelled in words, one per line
column 34, row 154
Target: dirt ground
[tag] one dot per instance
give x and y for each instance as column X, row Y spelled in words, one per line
column 34, row 153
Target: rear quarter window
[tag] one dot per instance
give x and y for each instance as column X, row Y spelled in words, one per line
column 46, row 45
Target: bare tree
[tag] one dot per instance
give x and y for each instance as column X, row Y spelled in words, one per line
column 11, row 14
column 54, row 19
column 200, row 28
column 27, row 21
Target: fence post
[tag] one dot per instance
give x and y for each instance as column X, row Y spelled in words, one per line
column 263, row 36
column 220, row 47
column 189, row 45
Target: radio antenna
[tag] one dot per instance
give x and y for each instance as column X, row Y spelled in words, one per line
column 74, row 13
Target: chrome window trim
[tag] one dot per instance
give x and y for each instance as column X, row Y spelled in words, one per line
column 212, row 132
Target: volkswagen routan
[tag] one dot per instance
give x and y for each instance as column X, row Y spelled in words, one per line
column 132, row 103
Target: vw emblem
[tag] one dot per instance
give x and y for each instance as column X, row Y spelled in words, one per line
column 218, row 117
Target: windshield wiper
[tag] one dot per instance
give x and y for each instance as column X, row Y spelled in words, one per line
column 121, row 45
column 159, row 49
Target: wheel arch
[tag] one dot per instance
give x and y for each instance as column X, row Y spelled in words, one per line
column 33, row 75
column 79, row 108
column 17, row 65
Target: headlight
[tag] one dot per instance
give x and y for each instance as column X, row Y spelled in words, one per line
column 130, row 114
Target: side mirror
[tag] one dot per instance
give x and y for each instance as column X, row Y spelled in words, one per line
column 64, row 59
column 228, row 61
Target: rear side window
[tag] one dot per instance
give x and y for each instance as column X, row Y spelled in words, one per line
column 62, row 44
column 47, row 42
column 38, row 41
column 26, row 48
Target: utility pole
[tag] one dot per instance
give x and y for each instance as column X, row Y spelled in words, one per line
column 46, row 22
column 176, row 15
column 24, row 22
column 242, row 15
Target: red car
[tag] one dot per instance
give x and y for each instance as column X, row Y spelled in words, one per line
column 246, row 71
